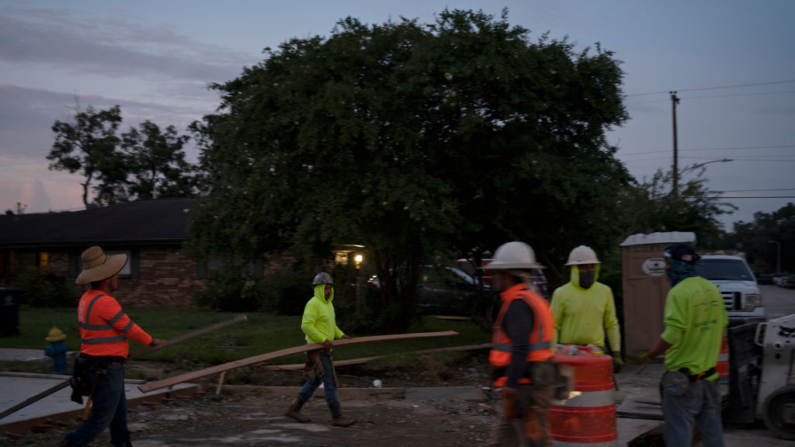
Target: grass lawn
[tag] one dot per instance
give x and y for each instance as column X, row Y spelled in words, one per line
column 262, row 333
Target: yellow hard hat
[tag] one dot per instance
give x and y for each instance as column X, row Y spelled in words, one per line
column 55, row 335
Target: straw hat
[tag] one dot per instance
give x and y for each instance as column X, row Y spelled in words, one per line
column 98, row 266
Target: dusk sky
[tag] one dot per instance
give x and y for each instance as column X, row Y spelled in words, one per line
column 155, row 59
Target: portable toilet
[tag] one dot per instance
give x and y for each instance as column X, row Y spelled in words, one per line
column 646, row 287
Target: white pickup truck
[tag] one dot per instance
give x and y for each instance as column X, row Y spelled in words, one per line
column 737, row 285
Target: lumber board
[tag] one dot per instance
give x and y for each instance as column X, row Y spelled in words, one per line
column 359, row 361
column 189, row 335
column 282, row 353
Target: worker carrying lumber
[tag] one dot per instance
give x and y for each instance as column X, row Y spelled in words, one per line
column 584, row 308
column 104, row 330
column 320, row 326
column 522, row 350
column 695, row 318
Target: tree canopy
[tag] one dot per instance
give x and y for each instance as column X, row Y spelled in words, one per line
column 421, row 142
column 140, row 164
column 758, row 238
column 650, row 206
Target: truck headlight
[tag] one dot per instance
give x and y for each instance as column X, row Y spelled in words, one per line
column 752, row 301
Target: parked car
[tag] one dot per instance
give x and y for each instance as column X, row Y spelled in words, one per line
column 537, row 274
column 737, row 286
column 444, row 290
column 766, row 279
column 789, row 282
column 780, row 280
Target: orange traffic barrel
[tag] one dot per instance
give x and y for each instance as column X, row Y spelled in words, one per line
column 588, row 417
column 723, row 359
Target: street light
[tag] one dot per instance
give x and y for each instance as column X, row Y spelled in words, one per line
column 778, row 258
column 698, row 165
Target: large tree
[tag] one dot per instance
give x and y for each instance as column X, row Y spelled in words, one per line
column 89, row 145
column 156, row 162
column 420, row 142
column 762, row 238
column 140, row 164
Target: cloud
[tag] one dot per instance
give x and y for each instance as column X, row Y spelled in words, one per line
column 112, row 46
column 35, row 197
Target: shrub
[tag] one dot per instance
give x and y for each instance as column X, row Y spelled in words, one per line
column 46, row 289
column 231, row 291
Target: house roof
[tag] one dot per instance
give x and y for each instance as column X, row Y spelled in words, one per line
column 163, row 221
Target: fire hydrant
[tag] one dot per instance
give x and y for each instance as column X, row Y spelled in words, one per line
column 57, row 350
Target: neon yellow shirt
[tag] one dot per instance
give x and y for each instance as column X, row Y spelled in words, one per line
column 695, row 318
column 583, row 315
column 319, row 322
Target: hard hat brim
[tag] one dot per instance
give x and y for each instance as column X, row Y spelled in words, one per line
column 583, row 262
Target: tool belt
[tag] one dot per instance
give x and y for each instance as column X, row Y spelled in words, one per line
column 698, row 377
column 544, row 374
column 313, row 368
column 81, row 381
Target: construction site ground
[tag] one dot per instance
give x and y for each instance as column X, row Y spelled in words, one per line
column 435, row 402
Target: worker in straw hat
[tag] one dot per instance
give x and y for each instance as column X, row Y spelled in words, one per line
column 585, row 309
column 104, row 330
column 522, row 349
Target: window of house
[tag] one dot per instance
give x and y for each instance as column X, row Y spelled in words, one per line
column 130, row 269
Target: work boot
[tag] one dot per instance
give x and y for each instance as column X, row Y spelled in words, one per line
column 295, row 411
column 338, row 420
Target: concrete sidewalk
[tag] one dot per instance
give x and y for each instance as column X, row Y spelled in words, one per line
column 24, row 355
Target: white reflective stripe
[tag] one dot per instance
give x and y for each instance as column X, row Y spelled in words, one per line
column 589, row 444
column 723, row 357
column 589, row 399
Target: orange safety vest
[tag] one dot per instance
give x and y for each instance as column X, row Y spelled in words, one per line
column 540, row 336
column 104, row 327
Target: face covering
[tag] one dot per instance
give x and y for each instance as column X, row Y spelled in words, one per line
column 587, row 279
column 679, row 270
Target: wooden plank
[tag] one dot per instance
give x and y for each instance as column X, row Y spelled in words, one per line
column 282, row 353
column 189, row 335
column 359, row 361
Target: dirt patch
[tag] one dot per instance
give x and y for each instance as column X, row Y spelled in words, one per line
column 245, row 420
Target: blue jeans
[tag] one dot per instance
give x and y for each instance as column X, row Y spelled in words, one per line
column 327, row 380
column 700, row 403
column 109, row 408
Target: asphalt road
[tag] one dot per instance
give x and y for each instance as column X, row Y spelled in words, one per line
column 778, row 301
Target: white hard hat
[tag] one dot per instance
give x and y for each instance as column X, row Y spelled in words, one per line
column 583, row 255
column 322, row 278
column 514, row 255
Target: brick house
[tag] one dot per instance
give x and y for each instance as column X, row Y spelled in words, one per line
column 159, row 273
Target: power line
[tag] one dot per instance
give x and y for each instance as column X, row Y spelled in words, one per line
column 714, row 149
column 714, row 88
column 759, row 190
column 752, row 197
column 712, row 96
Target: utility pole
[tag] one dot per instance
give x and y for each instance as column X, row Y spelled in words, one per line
column 674, row 102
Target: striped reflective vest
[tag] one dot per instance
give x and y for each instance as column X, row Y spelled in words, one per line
column 104, row 327
column 541, row 334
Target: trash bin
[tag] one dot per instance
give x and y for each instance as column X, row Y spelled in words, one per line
column 9, row 311
column 646, row 287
